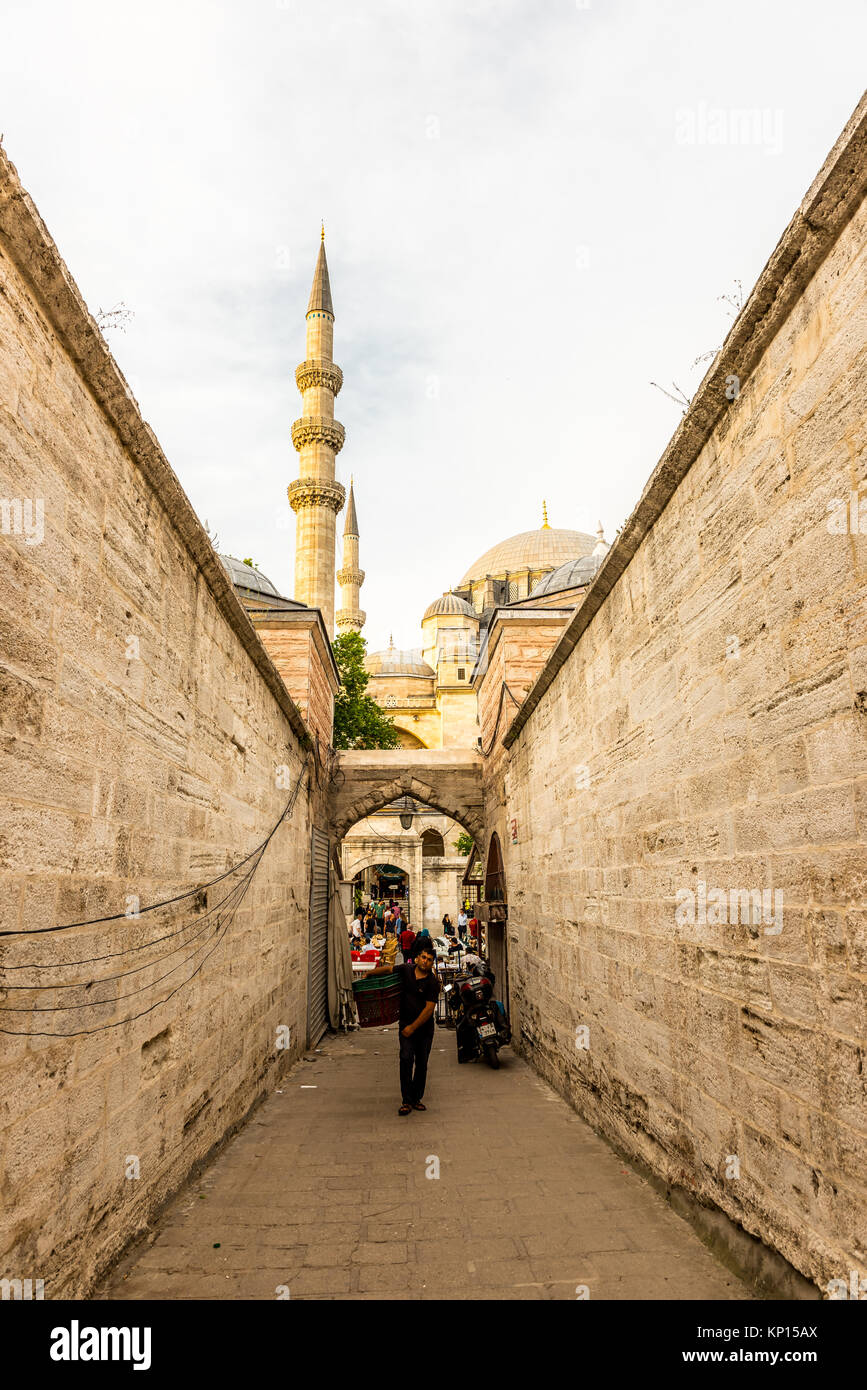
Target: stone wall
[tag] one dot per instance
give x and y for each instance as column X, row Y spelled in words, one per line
column 299, row 648
column 148, row 745
column 701, row 725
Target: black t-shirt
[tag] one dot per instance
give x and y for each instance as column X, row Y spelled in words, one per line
column 414, row 994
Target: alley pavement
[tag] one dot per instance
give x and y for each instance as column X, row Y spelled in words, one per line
column 328, row 1193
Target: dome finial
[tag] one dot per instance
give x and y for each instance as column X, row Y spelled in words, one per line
column 545, row 525
column 323, row 229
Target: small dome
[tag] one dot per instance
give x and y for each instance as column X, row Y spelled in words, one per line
column 392, row 662
column 545, row 548
column 248, row 577
column 449, row 603
column 568, row 576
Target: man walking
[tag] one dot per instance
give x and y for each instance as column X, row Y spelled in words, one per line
column 418, row 999
column 463, row 919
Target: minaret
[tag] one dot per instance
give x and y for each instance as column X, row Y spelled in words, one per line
column 350, row 577
column 315, row 497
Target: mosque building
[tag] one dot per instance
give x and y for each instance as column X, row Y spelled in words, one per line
column 428, row 690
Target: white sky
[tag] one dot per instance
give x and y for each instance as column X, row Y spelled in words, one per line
column 519, row 238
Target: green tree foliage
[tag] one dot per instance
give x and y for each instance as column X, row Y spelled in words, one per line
column 464, row 843
column 358, row 720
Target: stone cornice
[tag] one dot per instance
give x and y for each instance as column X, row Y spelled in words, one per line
column 349, row 575
column 831, row 201
column 318, row 371
column 33, row 251
column 318, row 429
column 310, row 492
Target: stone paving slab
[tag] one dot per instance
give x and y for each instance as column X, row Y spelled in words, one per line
column 326, row 1192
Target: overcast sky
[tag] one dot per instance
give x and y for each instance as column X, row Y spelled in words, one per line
column 531, row 209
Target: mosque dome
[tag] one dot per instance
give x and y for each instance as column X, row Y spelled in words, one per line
column 568, row 576
column 248, row 577
column 392, row 662
column 548, row 547
column 449, row 604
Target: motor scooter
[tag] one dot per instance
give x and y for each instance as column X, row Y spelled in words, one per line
column 480, row 1021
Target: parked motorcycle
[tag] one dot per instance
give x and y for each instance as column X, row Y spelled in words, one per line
column 480, row 1021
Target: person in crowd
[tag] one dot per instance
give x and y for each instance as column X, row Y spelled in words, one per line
column 473, row 928
column 399, row 922
column 448, row 925
column 407, row 937
column 422, row 938
column 379, row 911
column 389, row 951
column 369, row 925
column 355, row 929
column 418, row 1000
column 463, row 919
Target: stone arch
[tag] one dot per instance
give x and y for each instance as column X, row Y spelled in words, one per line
column 403, row 785
column 367, row 860
column 413, row 740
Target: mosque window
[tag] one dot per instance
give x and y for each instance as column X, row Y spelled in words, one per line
column 432, row 844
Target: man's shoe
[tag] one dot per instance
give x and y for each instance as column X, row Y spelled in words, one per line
column 404, row 1110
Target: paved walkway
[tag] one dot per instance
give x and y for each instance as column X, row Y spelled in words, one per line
column 326, row 1193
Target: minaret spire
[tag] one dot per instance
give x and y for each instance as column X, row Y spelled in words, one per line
column 350, row 577
column 315, row 496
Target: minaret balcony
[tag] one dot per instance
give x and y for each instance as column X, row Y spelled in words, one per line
column 311, row 492
column 348, row 575
column 317, row 371
column 316, row 429
column 351, row 618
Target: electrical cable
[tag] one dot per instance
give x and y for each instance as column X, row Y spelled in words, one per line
column 86, row 1032
column 167, row 902
column 88, row 984
column 244, row 885
column 127, row 951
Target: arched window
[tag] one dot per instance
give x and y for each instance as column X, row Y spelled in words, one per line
column 495, row 878
column 432, row 844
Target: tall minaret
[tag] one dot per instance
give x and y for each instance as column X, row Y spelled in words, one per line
column 315, row 497
column 350, row 577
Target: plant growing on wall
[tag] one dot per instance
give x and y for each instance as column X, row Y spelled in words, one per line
column 464, row 843
column 358, row 720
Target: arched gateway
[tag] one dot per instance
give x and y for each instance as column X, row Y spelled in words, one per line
column 446, row 779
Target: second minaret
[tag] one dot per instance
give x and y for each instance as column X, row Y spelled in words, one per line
column 351, row 577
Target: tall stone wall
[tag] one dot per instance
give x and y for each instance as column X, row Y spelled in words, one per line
column 701, row 726
column 148, row 746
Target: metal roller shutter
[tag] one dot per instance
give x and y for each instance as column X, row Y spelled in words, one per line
column 317, row 972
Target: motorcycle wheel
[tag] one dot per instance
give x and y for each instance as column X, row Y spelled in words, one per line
column 491, row 1055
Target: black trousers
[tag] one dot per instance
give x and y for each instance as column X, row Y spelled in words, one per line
column 414, row 1052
